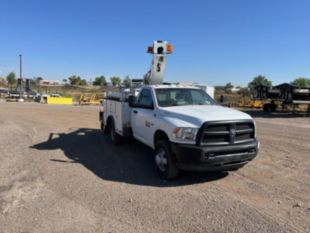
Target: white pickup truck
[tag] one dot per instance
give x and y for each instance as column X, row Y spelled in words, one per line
column 187, row 129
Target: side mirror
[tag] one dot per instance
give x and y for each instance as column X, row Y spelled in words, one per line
column 132, row 101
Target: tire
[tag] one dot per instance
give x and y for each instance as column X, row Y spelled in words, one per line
column 273, row 107
column 165, row 160
column 266, row 107
column 114, row 137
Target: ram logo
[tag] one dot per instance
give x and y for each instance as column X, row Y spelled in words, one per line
column 232, row 135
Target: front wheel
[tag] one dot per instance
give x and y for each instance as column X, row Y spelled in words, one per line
column 165, row 160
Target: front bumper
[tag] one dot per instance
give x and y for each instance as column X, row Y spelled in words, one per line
column 214, row 158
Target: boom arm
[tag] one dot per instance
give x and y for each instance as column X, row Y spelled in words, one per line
column 160, row 50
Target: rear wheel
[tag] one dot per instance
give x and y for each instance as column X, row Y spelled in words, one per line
column 273, row 106
column 115, row 137
column 165, row 160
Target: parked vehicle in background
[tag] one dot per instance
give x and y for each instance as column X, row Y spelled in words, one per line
column 4, row 92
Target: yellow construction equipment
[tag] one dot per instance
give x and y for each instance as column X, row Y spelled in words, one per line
column 59, row 100
column 89, row 100
column 257, row 103
column 251, row 103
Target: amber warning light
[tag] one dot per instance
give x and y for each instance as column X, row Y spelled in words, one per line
column 150, row 49
column 169, row 49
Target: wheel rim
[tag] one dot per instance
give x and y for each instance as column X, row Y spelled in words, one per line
column 161, row 159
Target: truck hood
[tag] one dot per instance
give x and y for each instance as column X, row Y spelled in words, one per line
column 196, row 115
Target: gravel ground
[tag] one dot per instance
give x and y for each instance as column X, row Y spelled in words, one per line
column 59, row 173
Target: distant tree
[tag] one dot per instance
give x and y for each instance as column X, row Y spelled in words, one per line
column 219, row 88
column 126, row 81
column 65, row 80
column 2, row 81
column 83, row 82
column 37, row 80
column 11, row 79
column 301, row 82
column 259, row 80
column 100, row 81
column 228, row 87
column 244, row 91
column 116, row 81
column 74, row 80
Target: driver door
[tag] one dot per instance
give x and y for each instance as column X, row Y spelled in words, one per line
column 142, row 118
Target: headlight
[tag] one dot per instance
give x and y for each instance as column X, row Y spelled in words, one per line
column 185, row 134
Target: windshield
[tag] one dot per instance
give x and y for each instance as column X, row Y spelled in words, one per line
column 167, row 97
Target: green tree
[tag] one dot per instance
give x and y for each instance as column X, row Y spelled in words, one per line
column 259, row 80
column 116, row 81
column 11, row 79
column 2, row 81
column 75, row 80
column 83, row 82
column 219, row 88
column 37, row 80
column 228, row 87
column 301, row 82
column 244, row 91
column 100, row 81
column 126, row 81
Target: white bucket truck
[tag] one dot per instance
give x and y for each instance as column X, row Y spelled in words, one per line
column 186, row 128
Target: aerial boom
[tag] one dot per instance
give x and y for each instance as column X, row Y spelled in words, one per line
column 160, row 50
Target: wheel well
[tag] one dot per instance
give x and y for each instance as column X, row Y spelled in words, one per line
column 160, row 135
column 109, row 121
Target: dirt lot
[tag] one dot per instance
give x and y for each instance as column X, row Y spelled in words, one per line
column 58, row 173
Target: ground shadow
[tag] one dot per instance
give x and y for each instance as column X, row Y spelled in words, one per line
column 130, row 162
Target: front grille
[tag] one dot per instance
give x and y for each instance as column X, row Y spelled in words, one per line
column 226, row 133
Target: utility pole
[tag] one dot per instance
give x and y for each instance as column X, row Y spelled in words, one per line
column 20, row 82
column 20, row 67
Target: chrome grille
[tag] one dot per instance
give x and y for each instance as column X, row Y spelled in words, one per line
column 226, row 133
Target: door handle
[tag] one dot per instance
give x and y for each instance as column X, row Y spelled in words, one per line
column 135, row 111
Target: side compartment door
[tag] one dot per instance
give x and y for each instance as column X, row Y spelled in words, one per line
column 142, row 118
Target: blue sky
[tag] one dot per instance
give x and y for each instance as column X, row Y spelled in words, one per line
column 215, row 41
